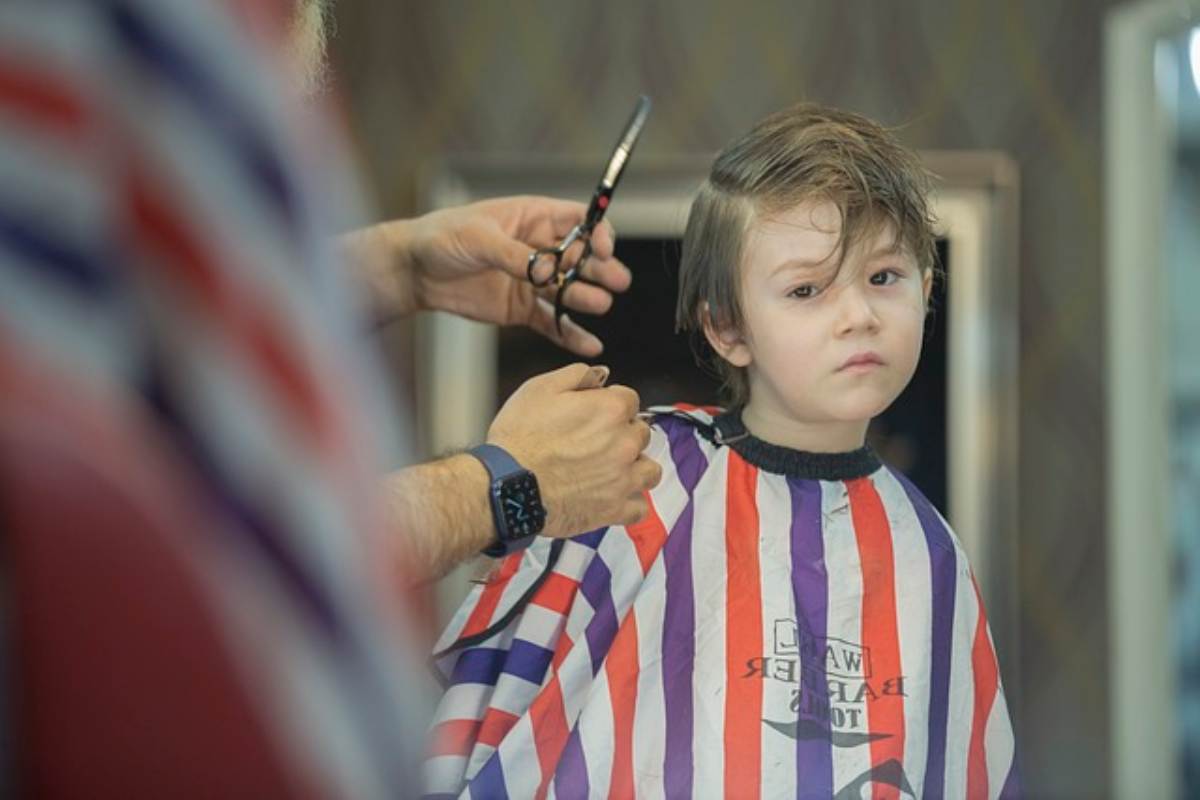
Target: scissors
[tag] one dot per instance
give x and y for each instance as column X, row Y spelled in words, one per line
column 546, row 263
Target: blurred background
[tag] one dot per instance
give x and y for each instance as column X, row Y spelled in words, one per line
column 427, row 88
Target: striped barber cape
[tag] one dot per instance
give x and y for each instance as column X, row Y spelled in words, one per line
column 779, row 624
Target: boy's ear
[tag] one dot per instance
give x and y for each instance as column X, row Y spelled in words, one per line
column 927, row 285
column 727, row 341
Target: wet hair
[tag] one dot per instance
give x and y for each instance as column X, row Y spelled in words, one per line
column 805, row 153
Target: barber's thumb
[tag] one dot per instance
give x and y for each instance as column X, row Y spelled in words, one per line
column 572, row 377
column 595, row 377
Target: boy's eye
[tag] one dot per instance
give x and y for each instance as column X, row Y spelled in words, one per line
column 803, row 292
column 885, row 277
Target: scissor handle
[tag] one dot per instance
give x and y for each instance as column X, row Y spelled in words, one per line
column 555, row 255
column 565, row 279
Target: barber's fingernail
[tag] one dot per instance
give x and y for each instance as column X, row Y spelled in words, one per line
column 600, row 374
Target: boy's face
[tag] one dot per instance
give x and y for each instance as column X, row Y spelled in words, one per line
column 818, row 352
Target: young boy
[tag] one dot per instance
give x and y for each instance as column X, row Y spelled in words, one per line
column 791, row 618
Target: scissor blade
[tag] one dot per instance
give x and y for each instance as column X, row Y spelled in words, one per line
column 633, row 129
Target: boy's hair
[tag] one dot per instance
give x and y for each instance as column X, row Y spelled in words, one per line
column 807, row 152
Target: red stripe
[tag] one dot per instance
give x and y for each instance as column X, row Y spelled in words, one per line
column 983, row 665
column 496, row 725
column 548, row 717
column 710, row 410
column 648, row 536
column 264, row 340
column 622, row 669
column 881, row 639
column 454, row 737
column 481, row 615
column 743, row 632
column 560, row 651
column 557, row 593
column 42, row 98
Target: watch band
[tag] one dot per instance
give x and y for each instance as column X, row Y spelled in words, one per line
column 497, row 461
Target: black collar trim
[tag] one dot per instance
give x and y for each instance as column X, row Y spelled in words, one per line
column 728, row 429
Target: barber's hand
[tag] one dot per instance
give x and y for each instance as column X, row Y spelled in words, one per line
column 584, row 443
column 471, row 260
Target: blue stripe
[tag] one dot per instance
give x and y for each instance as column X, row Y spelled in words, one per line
column 590, row 539
column 489, row 782
column 810, row 591
column 679, row 619
column 37, row 246
column 571, row 777
column 602, row 629
column 529, row 661
column 185, row 71
column 1012, row 784
column 478, row 665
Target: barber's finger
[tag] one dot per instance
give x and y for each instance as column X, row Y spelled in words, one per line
column 583, row 297
column 499, row 251
column 643, row 434
column 647, row 473
column 610, row 273
column 635, row 510
column 604, row 239
column 540, row 219
column 572, row 337
column 628, row 400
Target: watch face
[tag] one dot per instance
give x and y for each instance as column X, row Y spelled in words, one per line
column 521, row 504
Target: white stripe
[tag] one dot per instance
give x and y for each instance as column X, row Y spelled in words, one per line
column 709, row 561
column 596, row 722
column 540, row 626
column 914, row 620
column 575, row 673
column 596, row 735
column 844, row 633
column 443, row 774
column 778, row 610
column 999, row 746
column 961, row 711
column 464, row 701
column 480, row 753
column 649, row 721
column 456, row 626
column 518, row 759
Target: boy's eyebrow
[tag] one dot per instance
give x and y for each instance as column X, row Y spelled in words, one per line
column 887, row 250
column 797, row 263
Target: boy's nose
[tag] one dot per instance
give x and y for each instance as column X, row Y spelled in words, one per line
column 855, row 312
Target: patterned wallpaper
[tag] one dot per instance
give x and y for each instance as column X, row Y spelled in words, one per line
column 420, row 80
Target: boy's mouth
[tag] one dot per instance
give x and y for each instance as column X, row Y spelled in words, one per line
column 862, row 361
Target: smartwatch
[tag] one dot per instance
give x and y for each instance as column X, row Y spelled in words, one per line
column 516, row 502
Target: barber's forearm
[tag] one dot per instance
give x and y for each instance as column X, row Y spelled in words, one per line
column 440, row 513
column 376, row 258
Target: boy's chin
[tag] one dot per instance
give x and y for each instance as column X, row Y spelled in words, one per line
column 860, row 409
